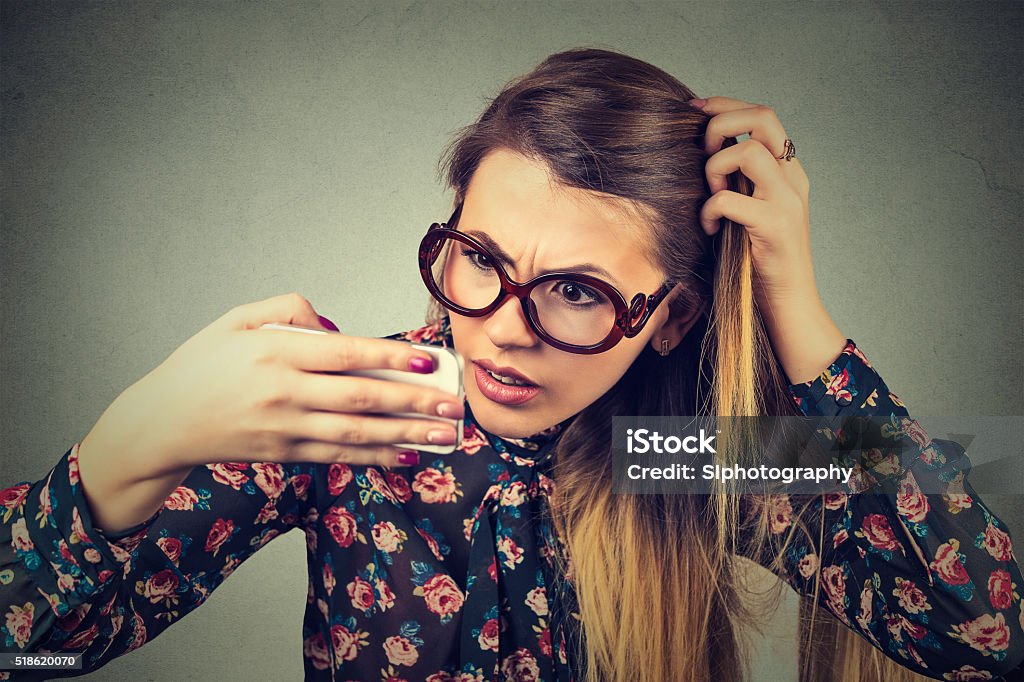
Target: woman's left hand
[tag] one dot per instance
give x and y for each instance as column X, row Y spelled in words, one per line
column 777, row 220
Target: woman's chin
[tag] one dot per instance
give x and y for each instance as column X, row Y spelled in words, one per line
column 504, row 421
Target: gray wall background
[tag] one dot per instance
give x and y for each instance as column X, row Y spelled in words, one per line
column 165, row 161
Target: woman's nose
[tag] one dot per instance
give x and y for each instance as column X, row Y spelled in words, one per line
column 508, row 326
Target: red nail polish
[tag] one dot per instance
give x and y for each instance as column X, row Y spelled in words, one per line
column 327, row 323
column 410, row 457
column 422, row 365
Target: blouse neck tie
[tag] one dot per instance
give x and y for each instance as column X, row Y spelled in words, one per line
column 504, row 579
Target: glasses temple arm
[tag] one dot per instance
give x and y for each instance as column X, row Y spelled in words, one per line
column 644, row 306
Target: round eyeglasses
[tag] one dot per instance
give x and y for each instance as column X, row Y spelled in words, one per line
column 574, row 312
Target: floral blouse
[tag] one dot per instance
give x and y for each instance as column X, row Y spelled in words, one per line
column 445, row 571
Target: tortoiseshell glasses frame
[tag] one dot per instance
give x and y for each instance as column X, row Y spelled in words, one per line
column 629, row 319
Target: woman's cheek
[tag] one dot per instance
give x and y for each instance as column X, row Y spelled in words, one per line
column 581, row 385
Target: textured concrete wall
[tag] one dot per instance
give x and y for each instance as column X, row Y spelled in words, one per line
column 163, row 162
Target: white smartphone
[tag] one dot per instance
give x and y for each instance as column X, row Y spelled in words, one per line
column 447, row 376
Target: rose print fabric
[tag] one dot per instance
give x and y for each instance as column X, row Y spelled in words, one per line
column 930, row 579
column 445, row 571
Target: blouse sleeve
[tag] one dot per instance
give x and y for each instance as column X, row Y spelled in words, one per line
column 67, row 586
column 929, row 578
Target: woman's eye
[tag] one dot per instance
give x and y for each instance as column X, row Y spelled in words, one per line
column 579, row 294
column 478, row 259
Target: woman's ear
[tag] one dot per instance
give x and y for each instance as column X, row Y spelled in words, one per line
column 675, row 328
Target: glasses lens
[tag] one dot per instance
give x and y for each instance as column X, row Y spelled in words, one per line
column 568, row 310
column 572, row 312
column 467, row 276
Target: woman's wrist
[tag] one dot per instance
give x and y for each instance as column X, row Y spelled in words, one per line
column 805, row 338
column 123, row 479
column 116, row 501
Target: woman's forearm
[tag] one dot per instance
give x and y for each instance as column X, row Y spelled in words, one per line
column 804, row 337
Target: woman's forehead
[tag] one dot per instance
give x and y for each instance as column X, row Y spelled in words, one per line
column 515, row 200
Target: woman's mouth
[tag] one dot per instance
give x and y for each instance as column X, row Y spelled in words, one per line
column 503, row 389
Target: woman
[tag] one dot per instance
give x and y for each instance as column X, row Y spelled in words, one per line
column 511, row 558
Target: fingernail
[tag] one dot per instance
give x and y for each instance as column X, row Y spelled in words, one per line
column 327, row 323
column 451, row 410
column 408, row 457
column 422, row 365
column 697, row 102
column 441, row 437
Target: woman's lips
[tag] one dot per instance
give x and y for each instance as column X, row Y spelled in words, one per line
column 502, row 393
column 505, row 371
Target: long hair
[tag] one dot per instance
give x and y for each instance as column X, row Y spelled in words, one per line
column 659, row 578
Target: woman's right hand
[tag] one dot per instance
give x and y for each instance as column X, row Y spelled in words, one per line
column 234, row 392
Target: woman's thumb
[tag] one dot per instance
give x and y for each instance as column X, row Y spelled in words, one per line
column 291, row 309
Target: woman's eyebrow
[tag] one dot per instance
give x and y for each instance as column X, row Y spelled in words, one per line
column 505, row 259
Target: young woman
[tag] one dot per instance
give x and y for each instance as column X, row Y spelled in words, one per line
column 590, row 180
